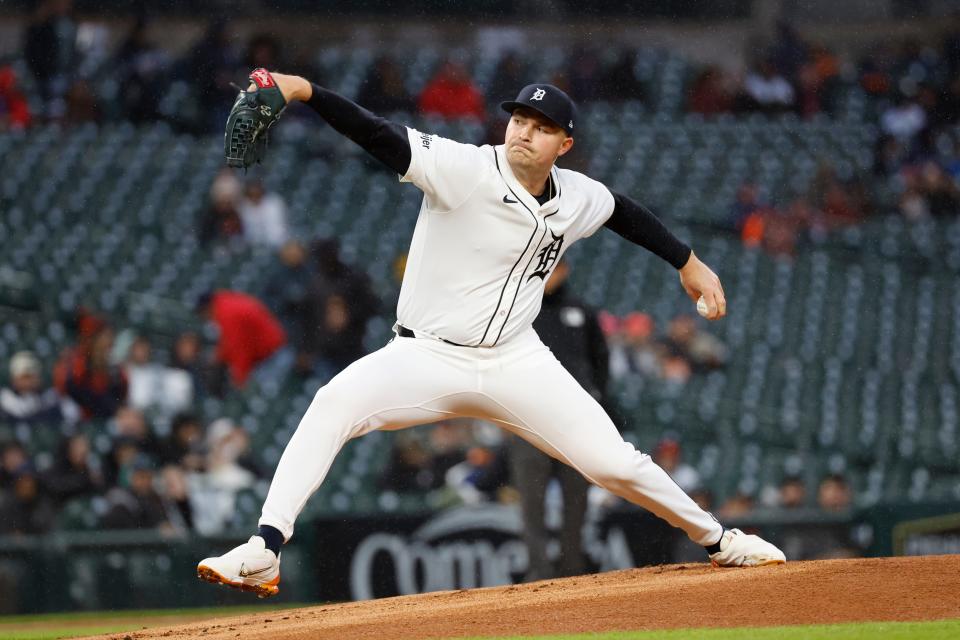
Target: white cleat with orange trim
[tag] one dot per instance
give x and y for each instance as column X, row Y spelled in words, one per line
column 249, row 567
column 738, row 549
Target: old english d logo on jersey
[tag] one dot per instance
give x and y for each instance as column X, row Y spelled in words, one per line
column 547, row 257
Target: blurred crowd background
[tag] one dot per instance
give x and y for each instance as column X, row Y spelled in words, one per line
column 166, row 321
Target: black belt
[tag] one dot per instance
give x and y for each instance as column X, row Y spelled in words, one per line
column 403, row 332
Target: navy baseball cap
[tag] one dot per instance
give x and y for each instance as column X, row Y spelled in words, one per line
column 547, row 100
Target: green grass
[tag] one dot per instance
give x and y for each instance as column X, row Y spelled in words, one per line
column 70, row 625
column 52, row 626
column 50, row 634
column 939, row 630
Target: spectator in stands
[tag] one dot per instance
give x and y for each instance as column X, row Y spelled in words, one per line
column 263, row 51
column 229, row 469
column 175, row 496
column 644, row 353
column 834, row 493
column 410, row 467
column 817, row 82
column 25, row 400
column 263, row 216
column 83, row 105
column 124, row 450
column 221, row 223
column 136, row 504
column 841, row 203
column 510, row 74
column 904, row 119
column 132, row 436
column 611, row 326
column 687, row 341
column 187, row 355
column 746, row 206
column 480, row 476
column 229, row 459
column 889, row 156
column 87, row 375
column 585, row 75
column 876, row 70
column 251, row 340
column 703, row 497
column 792, row 493
column 142, row 69
column 12, row 458
column 710, row 93
column 912, row 204
column 790, row 51
column 737, row 506
column 620, row 82
column 153, row 385
column 383, row 90
column 50, row 48
column 767, row 91
column 419, row 465
column 948, row 103
column 288, row 296
column 452, row 94
column 344, row 303
column 185, row 445
column 72, row 475
column 668, row 455
column 939, row 191
column 213, row 65
column 14, row 109
column 26, row 510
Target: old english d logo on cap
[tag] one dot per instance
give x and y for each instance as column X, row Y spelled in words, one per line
column 547, row 100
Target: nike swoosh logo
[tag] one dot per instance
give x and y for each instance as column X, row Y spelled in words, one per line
column 246, row 574
column 507, row 200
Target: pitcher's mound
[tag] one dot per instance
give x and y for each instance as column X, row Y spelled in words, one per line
column 688, row 595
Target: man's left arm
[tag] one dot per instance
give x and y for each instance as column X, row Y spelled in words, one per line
column 636, row 223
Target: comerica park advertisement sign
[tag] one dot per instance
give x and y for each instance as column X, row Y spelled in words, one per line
column 465, row 548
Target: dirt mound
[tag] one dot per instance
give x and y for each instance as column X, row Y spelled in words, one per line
column 688, row 595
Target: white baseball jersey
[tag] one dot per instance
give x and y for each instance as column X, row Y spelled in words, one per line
column 483, row 246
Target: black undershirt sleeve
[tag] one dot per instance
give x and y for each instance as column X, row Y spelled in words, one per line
column 639, row 225
column 385, row 140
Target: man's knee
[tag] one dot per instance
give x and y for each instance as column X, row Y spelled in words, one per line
column 616, row 472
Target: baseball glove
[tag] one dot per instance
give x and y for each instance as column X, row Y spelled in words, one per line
column 252, row 115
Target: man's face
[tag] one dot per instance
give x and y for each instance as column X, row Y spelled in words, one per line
column 26, row 383
column 533, row 141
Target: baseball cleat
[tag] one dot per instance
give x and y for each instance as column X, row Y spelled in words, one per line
column 249, row 567
column 738, row 549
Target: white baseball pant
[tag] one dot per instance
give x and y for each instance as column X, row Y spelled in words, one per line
column 520, row 386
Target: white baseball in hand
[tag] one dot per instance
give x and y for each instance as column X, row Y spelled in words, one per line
column 702, row 308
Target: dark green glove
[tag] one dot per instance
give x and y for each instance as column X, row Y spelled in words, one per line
column 252, row 115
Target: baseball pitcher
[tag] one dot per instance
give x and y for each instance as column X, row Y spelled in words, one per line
column 493, row 223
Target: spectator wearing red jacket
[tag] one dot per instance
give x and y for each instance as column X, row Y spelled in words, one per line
column 14, row 111
column 452, row 94
column 250, row 336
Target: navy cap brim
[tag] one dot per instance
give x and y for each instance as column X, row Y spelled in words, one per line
column 510, row 105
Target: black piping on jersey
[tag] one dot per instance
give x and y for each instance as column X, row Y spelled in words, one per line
column 529, row 262
column 536, row 226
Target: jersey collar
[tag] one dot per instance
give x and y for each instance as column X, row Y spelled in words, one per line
column 550, row 206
